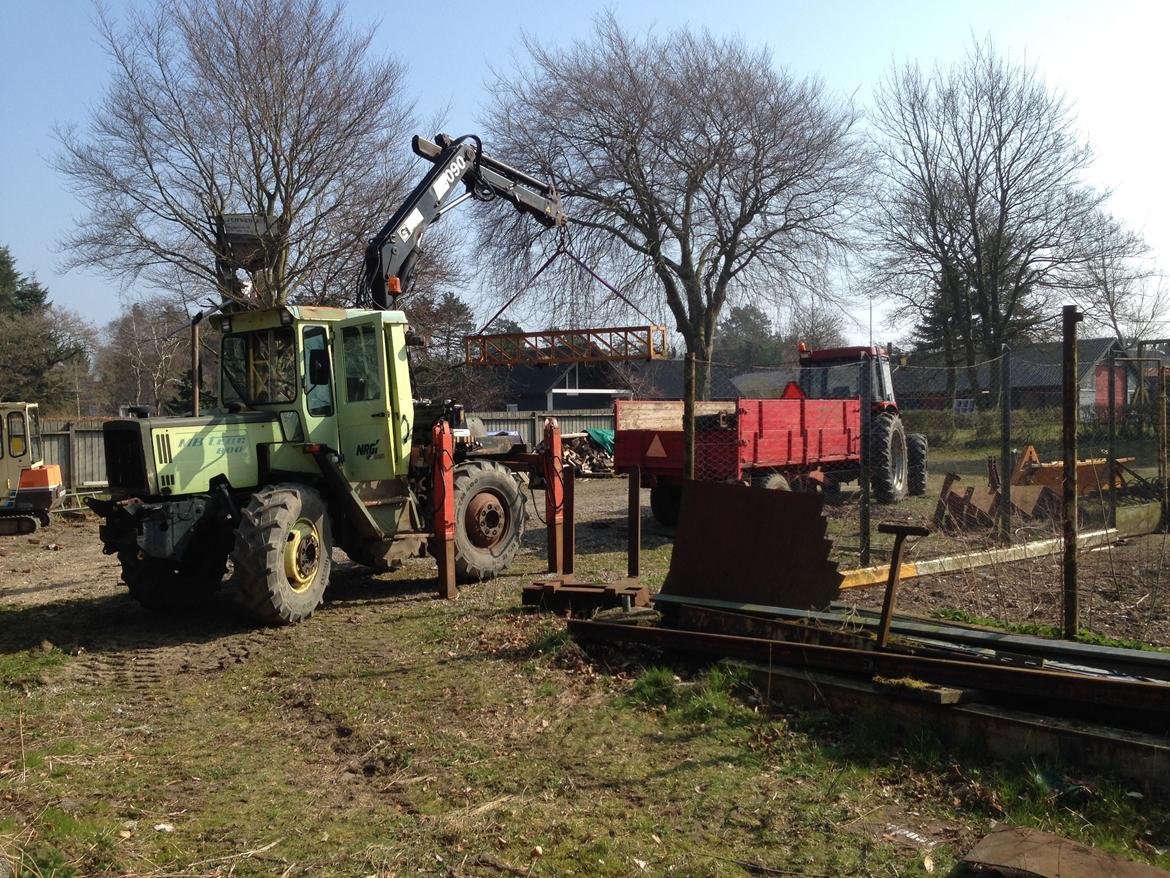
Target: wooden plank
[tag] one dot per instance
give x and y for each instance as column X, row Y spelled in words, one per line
column 864, row 577
column 646, row 414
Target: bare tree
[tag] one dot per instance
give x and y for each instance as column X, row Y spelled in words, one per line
column 272, row 107
column 692, row 169
column 146, row 355
column 1122, row 292
column 980, row 213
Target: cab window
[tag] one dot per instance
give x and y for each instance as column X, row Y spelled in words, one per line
column 259, row 367
column 363, row 372
column 17, row 444
column 319, row 396
column 34, row 433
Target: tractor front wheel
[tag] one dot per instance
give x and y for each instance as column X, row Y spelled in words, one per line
column 164, row 587
column 283, row 554
column 888, row 465
column 489, row 519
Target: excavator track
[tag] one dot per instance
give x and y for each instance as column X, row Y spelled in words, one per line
column 20, row 523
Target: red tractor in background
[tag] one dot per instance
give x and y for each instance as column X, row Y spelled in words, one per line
column 809, row 438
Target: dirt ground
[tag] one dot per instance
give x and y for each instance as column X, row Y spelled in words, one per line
column 393, row 734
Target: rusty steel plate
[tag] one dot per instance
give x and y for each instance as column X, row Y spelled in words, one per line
column 1018, row 852
column 751, row 545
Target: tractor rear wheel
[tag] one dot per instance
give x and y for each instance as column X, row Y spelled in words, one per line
column 917, row 449
column 888, row 466
column 489, row 519
column 165, row 587
column 283, row 554
column 665, row 502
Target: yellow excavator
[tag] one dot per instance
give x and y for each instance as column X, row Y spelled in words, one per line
column 31, row 488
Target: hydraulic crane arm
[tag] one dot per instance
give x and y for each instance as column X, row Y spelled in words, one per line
column 392, row 253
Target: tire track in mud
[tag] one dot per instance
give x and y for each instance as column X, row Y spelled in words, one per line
column 141, row 664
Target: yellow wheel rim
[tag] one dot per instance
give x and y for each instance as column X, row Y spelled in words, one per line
column 302, row 554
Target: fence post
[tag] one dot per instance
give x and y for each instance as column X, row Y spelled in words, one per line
column 689, row 417
column 1072, row 401
column 1111, row 469
column 71, row 439
column 1163, row 438
column 1005, row 445
column 863, row 478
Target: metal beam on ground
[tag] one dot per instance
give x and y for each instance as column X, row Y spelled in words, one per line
column 1149, row 702
column 1130, row 662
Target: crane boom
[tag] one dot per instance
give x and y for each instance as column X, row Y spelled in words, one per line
column 392, row 254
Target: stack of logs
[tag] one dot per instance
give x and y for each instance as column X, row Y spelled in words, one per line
column 585, row 456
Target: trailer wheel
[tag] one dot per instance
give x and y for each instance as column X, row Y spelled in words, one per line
column 164, row 587
column 489, row 520
column 888, row 469
column 283, row 554
column 665, row 502
column 916, row 452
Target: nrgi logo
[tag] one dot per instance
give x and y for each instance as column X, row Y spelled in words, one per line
column 369, row 450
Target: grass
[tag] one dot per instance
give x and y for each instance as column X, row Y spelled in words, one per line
column 26, row 668
column 1040, row 630
column 394, row 734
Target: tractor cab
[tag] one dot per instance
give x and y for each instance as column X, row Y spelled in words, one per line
column 332, row 377
column 29, row 487
column 835, row 373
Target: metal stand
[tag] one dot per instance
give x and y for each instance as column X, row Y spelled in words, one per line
column 443, row 443
column 554, row 495
column 900, row 532
column 634, row 523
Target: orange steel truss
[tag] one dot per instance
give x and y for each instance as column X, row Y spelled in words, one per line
column 553, row 346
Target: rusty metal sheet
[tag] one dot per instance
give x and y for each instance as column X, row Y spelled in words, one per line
column 751, row 545
column 1017, row 852
column 1035, row 501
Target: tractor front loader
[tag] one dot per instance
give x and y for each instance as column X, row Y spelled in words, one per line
column 321, row 443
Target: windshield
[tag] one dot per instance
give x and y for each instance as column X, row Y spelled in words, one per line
column 259, row 367
column 837, row 381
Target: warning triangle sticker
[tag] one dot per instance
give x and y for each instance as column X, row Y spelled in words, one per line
column 656, row 449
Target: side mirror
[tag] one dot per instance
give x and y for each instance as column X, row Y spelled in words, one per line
column 414, row 340
column 319, row 370
column 290, row 427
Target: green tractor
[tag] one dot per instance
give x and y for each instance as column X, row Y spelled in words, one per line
column 321, row 443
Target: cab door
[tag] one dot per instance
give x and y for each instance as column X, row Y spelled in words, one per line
column 363, row 413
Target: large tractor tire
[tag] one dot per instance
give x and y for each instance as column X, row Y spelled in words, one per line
column 665, row 502
column 283, row 554
column 917, row 450
column 166, row 588
column 489, row 520
column 889, row 473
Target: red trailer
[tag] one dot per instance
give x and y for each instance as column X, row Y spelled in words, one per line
column 808, row 439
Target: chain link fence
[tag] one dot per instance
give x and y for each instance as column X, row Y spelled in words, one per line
column 975, row 452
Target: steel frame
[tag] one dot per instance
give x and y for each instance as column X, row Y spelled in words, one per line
column 557, row 346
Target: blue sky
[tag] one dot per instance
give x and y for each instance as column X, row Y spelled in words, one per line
column 1110, row 59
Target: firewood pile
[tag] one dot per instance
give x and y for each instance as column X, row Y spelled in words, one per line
column 583, row 455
